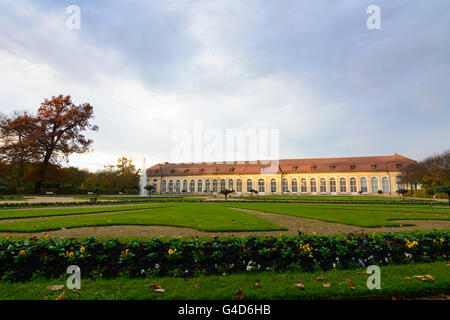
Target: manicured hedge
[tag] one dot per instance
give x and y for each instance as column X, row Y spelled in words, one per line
column 131, row 201
column 381, row 202
column 45, row 257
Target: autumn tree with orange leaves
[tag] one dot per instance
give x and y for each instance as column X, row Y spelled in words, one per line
column 55, row 132
column 432, row 173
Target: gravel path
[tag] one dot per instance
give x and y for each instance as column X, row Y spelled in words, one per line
column 45, row 199
column 292, row 223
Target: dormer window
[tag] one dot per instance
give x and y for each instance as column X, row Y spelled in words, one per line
column 186, row 170
column 202, row 170
column 172, row 171
column 373, row 166
column 352, row 167
column 231, row 169
column 295, row 168
column 313, row 168
column 398, row 165
column 332, row 168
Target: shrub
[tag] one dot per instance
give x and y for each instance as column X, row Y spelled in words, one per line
column 402, row 192
column 445, row 188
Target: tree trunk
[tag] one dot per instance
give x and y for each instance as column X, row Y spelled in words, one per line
column 37, row 187
column 44, row 166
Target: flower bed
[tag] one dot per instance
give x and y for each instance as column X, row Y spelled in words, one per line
column 22, row 260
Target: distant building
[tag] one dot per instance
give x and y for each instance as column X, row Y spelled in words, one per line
column 322, row 176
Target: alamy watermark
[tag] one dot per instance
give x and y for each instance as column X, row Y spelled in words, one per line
column 226, row 146
column 374, row 281
column 74, row 280
column 73, row 22
column 373, row 22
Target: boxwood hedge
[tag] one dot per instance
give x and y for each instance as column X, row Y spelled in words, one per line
column 131, row 201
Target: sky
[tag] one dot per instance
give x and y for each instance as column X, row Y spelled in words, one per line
column 311, row 72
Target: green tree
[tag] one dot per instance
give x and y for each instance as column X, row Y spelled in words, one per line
column 149, row 188
column 402, row 192
column 445, row 188
column 430, row 192
column 226, row 192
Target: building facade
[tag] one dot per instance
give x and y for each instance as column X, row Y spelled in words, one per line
column 322, row 176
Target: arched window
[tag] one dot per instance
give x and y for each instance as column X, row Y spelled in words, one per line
column 178, row 186
column 215, row 185
column 313, row 185
column 385, row 184
column 294, row 185
column 230, row 184
column 207, row 185
column 332, row 185
column 353, row 187
column 303, row 185
column 261, row 187
column 285, row 185
column 323, row 185
column 239, row 185
column 192, row 186
column 184, row 186
column 155, row 184
column 342, row 185
column 222, row 184
column 273, row 185
column 163, row 186
column 374, row 184
column 363, row 184
column 249, row 185
column 170, row 185
column 199, row 185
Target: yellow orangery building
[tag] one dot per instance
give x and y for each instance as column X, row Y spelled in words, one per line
column 321, row 176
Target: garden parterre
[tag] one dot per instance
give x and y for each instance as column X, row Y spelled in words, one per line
column 204, row 216
column 358, row 215
column 213, row 216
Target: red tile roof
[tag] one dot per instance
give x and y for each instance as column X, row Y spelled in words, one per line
column 317, row 165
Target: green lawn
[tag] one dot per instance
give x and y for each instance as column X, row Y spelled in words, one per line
column 45, row 212
column 271, row 285
column 363, row 207
column 215, row 216
column 204, row 217
column 364, row 217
